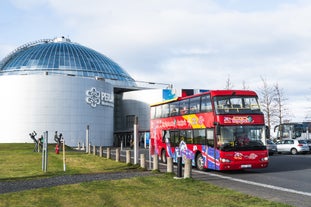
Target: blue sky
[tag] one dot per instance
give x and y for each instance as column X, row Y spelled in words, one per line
column 189, row 43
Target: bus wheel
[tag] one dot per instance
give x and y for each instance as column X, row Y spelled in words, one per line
column 163, row 156
column 199, row 162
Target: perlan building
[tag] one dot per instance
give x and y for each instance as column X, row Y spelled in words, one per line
column 57, row 85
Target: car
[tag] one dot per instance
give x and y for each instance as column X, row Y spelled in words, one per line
column 271, row 147
column 292, row 146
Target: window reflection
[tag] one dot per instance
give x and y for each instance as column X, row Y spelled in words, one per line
column 236, row 105
column 241, row 137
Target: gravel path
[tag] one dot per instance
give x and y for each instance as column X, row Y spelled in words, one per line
column 15, row 186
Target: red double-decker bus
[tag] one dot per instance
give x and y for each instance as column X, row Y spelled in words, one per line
column 218, row 129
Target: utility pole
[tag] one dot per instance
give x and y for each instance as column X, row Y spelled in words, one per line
column 136, row 141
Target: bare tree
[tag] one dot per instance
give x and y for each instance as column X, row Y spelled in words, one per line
column 244, row 86
column 308, row 112
column 280, row 103
column 266, row 94
column 229, row 84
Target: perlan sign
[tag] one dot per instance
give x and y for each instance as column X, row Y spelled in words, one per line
column 95, row 97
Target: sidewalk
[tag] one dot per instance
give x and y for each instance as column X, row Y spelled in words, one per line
column 20, row 185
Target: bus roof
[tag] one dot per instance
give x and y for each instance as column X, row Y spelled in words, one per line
column 213, row 93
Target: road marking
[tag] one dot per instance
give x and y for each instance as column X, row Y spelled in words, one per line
column 258, row 184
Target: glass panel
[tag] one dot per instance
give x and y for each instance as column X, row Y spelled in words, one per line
column 210, row 137
column 194, row 105
column 166, row 136
column 174, row 109
column 184, row 107
column 189, row 137
column 174, row 136
column 165, row 110
column 186, row 136
column 236, row 105
column 199, row 136
column 241, row 138
column 206, row 104
column 158, row 111
column 153, row 112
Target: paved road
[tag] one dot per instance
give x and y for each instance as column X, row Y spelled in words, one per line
column 286, row 180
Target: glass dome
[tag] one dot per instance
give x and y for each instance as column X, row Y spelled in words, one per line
column 61, row 56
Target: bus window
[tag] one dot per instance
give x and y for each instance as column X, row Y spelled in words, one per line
column 153, row 112
column 236, row 103
column 174, row 136
column 165, row 110
column 222, row 103
column 174, row 108
column 251, row 103
column 186, row 136
column 210, row 137
column 242, row 137
column 194, row 105
column 206, row 104
column 199, row 136
column 184, row 107
column 189, row 137
column 182, row 135
column 158, row 111
column 165, row 136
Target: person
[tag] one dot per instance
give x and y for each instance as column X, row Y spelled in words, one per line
column 242, row 140
column 33, row 137
column 141, row 143
column 60, row 137
column 57, row 138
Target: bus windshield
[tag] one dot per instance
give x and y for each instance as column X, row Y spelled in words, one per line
column 241, row 138
column 236, row 105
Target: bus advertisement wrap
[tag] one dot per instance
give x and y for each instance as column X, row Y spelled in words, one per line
column 219, row 130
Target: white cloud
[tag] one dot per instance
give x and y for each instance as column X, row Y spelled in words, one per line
column 192, row 43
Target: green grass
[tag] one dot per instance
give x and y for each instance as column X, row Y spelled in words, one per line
column 158, row 190
column 18, row 161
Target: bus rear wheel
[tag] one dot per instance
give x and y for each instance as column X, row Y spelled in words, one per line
column 163, row 156
column 199, row 162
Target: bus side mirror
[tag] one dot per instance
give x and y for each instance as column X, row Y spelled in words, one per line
column 217, row 128
column 267, row 132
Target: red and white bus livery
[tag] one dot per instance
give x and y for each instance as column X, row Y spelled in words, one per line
column 218, row 129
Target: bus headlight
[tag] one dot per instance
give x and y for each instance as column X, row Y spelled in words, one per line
column 264, row 159
column 224, row 160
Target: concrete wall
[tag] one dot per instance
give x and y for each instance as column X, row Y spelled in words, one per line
column 138, row 103
column 55, row 103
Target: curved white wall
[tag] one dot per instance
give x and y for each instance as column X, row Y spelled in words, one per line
column 55, row 103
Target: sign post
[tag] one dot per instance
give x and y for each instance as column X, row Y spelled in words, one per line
column 136, row 141
column 64, row 155
column 45, row 152
column 87, row 135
